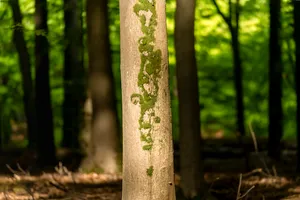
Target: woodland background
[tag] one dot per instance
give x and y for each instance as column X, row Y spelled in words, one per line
column 214, row 59
column 69, row 80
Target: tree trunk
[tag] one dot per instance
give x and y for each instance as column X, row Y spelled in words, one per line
column 238, row 81
column 148, row 172
column 104, row 130
column 297, row 73
column 46, row 148
column 191, row 168
column 25, row 68
column 232, row 21
column 2, row 131
column 275, row 81
column 74, row 88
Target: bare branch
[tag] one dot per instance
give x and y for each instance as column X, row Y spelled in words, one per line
column 230, row 10
column 226, row 19
column 244, row 195
column 239, row 188
column 21, row 172
column 253, row 138
column 239, row 196
column 256, row 150
column 237, row 14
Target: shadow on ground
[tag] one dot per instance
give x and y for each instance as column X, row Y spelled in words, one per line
column 225, row 173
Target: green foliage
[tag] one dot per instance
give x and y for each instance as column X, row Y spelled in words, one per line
column 214, row 58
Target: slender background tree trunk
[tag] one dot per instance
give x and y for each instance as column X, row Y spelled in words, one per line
column 74, row 87
column 297, row 73
column 232, row 21
column 25, row 68
column 104, row 129
column 46, row 148
column 275, row 81
column 238, row 81
column 191, row 168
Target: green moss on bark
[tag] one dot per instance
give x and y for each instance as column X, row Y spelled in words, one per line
column 150, row 171
column 149, row 73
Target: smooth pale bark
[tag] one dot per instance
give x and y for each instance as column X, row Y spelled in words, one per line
column 297, row 73
column 147, row 132
column 25, row 68
column 275, row 82
column 102, row 155
column 85, row 137
column 191, row 169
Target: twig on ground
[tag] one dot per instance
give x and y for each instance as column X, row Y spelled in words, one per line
column 256, row 150
column 21, row 172
column 28, row 190
column 253, row 138
column 274, row 171
column 244, row 195
column 258, row 170
column 239, row 196
column 239, row 188
column 59, row 186
column 62, row 170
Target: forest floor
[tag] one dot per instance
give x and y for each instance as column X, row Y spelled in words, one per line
column 225, row 173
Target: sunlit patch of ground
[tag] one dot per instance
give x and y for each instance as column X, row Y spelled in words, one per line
column 75, row 186
column 224, row 161
column 59, row 186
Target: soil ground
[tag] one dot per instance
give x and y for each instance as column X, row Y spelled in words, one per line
column 226, row 173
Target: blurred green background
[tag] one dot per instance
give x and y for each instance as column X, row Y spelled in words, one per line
column 214, row 59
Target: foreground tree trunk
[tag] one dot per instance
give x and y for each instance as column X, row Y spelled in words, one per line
column 297, row 73
column 73, row 74
column 46, row 148
column 25, row 68
column 147, row 133
column 275, row 81
column 104, row 130
column 191, row 169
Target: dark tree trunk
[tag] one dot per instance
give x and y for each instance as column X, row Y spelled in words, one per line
column 232, row 20
column 46, row 148
column 191, row 169
column 25, row 68
column 238, row 83
column 297, row 73
column 73, row 74
column 5, row 128
column 1, row 128
column 275, row 81
column 104, row 129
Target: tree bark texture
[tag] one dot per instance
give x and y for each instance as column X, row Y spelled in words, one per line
column 74, row 79
column 46, row 147
column 25, row 68
column 147, row 132
column 275, row 81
